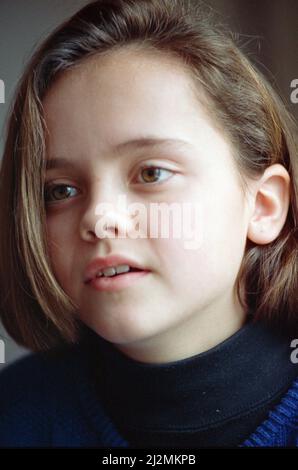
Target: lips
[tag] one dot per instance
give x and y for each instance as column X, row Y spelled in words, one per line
column 118, row 283
column 98, row 264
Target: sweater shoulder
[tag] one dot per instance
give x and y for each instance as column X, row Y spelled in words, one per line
column 280, row 429
column 30, row 389
column 26, row 377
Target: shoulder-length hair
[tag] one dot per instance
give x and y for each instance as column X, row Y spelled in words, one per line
column 34, row 309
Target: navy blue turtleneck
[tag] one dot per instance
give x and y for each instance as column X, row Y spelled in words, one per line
column 215, row 398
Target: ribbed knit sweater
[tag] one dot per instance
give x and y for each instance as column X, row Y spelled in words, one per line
column 54, row 399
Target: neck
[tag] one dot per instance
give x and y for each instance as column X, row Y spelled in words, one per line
column 198, row 333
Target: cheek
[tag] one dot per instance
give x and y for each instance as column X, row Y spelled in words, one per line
column 220, row 234
column 225, row 234
column 181, row 268
column 61, row 231
column 59, row 246
column 54, row 238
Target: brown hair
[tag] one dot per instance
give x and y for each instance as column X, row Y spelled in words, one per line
column 34, row 309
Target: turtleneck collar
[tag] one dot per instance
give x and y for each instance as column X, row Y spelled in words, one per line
column 194, row 393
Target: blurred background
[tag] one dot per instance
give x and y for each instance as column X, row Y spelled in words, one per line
column 268, row 30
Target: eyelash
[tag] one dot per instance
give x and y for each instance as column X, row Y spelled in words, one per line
column 145, row 167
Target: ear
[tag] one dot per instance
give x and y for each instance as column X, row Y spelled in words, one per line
column 270, row 205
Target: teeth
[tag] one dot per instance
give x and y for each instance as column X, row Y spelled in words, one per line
column 122, row 268
column 111, row 271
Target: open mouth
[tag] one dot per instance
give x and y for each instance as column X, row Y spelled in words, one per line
column 131, row 270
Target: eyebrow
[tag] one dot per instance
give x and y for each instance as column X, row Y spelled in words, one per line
column 135, row 144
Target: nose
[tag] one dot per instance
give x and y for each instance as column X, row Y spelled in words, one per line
column 105, row 217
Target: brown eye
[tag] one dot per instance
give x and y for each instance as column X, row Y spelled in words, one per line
column 57, row 192
column 151, row 174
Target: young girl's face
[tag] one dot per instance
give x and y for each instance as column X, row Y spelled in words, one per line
column 186, row 303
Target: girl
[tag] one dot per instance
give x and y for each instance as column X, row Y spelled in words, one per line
column 141, row 341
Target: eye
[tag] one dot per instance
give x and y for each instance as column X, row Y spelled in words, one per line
column 57, row 191
column 152, row 173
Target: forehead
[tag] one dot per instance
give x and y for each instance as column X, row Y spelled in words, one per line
column 130, row 63
column 120, row 87
column 121, row 96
